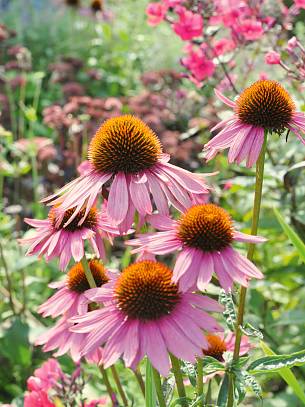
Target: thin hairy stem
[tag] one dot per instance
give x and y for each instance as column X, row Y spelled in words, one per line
column 200, row 379
column 243, row 290
column 158, row 387
column 119, row 385
column 179, row 380
column 140, row 380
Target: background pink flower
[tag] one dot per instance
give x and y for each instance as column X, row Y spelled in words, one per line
column 156, row 13
column 189, row 25
column 272, row 58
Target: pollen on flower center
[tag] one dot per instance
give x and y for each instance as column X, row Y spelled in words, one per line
column 216, row 348
column 145, row 291
column 90, row 222
column 207, row 227
column 125, row 144
column 265, row 104
column 77, row 280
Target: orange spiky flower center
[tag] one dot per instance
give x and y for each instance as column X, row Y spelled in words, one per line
column 90, row 221
column 265, row 104
column 216, row 348
column 96, row 5
column 125, row 144
column 206, row 227
column 145, row 291
column 77, row 280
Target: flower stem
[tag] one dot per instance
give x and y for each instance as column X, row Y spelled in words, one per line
column 179, row 380
column 119, row 385
column 200, row 378
column 88, row 273
column 243, row 290
column 140, row 380
column 158, row 387
column 108, row 386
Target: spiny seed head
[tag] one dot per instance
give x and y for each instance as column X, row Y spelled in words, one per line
column 216, row 348
column 96, row 5
column 90, row 222
column 125, row 144
column 265, row 104
column 145, row 291
column 77, row 280
column 207, row 227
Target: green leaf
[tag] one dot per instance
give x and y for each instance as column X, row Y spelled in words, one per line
column 223, row 392
column 274, row 363
column 190, row 370
column 294, row 238
column 249, row 330
column 253, row 384
column 211, row 365
column 287, row 375
column 229, row 312
column 150, row 395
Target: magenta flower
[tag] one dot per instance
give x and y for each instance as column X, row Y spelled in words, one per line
column 38, row 398
column 156, row 13
column 251, row 29
column 70, row 300
column 198, row 64
column 54, row 238
column 204, row 234
column 264, row 106
column 126, row 157
column 146, row 314
column 189, row 25
column 272, row 58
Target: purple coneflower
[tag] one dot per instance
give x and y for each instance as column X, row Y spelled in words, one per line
column 146, row 314
column 69, row 301
column 56, row 239
column 204, row 234
column 126, row 158
column 264, row 106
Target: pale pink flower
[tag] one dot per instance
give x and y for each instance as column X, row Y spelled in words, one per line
column 156, row 13
column 126, row 158
column 55, row 239
column 264, row 106
column 204, row 235
column 45, row 376
column 293, row 42
column 250, row 29
column 37, row 399
column 189, row 25
column 223, row 46
column 198, row 64
column 272, row 58
column 146, row 314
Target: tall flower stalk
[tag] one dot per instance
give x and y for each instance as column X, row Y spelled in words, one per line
column 260, row 164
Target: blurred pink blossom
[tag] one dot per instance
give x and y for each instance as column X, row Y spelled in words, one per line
column 199, row 66
column 250, row 29
column 299, row 3
column 189, row 25
column 272, row 58
column 156, row 13
column 223, row 45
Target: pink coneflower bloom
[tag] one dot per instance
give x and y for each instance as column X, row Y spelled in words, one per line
column 264, row 106
column 204, row 234
column 56, row 239
column 69, row 301
column 126, row 157
column 146, row 314
column 219, row 344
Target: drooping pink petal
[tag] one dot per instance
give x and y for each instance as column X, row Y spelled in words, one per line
column 118, row 199
column 245, row 238
column 183, row 263
column 224, row 99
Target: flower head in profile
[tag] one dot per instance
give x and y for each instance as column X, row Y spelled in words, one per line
column 53, row 238
column 204, row 235
column 70, row 300
column 264, row 106
column 126, row 159
column 147, row 314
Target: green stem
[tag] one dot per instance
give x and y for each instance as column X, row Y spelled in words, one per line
column 158, row 387
column 179, row 380
column 8, row 280
column 108, row 386
column 200, row 379
column 88, row 273
column 140, row 380
column 119, row 385
column 243, row 290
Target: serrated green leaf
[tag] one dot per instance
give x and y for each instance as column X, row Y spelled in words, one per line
column 276, row 362
column 251, row 382
column 287, row 375
column 229, row 312
column 293, row 237
column 249, row 330
column 190, row 370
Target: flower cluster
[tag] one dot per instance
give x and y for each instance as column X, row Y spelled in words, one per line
column 148, row 309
